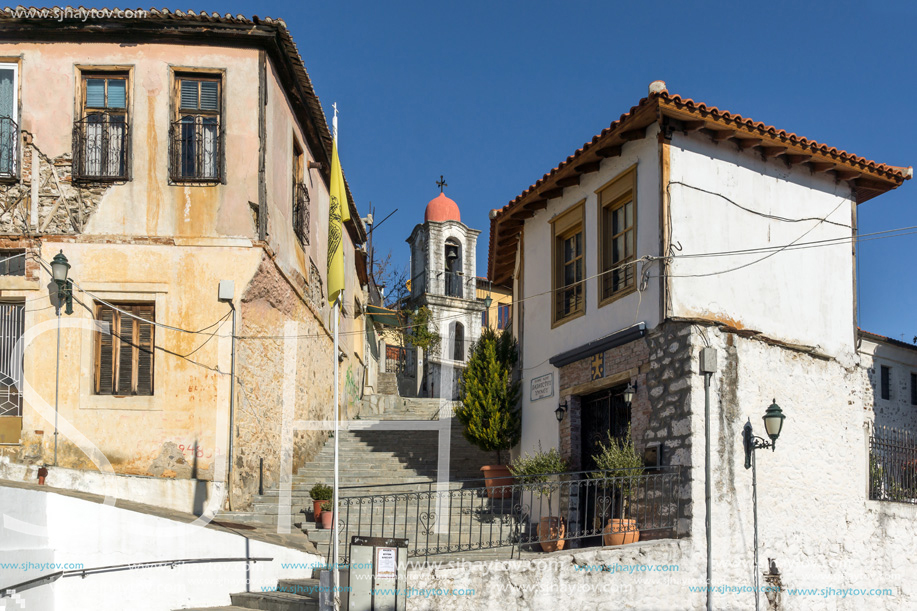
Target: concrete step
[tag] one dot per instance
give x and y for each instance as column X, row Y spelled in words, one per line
column 227, row 608
column 274, row 601
column 301, row 587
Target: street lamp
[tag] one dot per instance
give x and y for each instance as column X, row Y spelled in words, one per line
column 773, row 424
column 59, row 270
column 560, row 411
column 629, row 394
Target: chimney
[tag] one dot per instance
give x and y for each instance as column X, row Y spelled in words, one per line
column 657, row 87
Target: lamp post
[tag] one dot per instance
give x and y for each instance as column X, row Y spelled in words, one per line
column 773, row 424
column 60, row 267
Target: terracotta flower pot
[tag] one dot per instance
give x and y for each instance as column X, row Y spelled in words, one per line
column 619, row 532
column 317, row 510
column 551, row 533
column 496, row 476
column 327, row 519
column 42, row 474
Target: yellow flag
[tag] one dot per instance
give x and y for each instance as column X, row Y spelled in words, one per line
column 338, row 214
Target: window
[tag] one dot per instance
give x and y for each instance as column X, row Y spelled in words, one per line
column 914, row 389
column 503, row 311
column 484, row 318
column 100, row 135
column 124, row 358
column 196, row 133
column 885, row 388
column 569, row 264
column 458, row 350
column 9, row 127
column 300, row 197
column 617, row 237
column 12, row 262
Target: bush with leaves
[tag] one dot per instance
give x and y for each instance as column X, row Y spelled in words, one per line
column 418, row 332
column 620, row 461
column 535, row 472
column 489, row 410
column 321, row 492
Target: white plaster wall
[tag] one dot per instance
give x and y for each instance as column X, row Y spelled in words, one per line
column 800, row 296
column 539, row 424
column 79, row 531
column 896, row 411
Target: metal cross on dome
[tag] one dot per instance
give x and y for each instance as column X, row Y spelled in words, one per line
column 441, row 183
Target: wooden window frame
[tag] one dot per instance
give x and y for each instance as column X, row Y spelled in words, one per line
column 109, row 73
column 610, row 197
column 115, row 333
column 564, row 226
column 199, row 74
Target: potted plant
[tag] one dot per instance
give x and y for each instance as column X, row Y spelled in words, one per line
column 42, row 474
column 320, row 493
column 489, row 409
column 534, row 473
column 327, row 515
column 619, row 461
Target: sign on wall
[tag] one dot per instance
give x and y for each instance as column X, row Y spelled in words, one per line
column 542, row 387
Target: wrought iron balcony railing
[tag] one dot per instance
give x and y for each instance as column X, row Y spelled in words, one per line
column 301, row 213
column 454, row 284
column 9, row 149
column 101, row 147
column 512, row 512
column 196, row 150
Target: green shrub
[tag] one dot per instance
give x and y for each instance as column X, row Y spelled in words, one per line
column 321, row 492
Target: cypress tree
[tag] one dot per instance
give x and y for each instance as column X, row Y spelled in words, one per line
column 489, row 410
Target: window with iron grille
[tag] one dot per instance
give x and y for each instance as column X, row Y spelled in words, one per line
column 9, row 128
column 300, row 197
column 124, row 357
column 885, row 382
column 196, row 137
column 503, row 313
column 101, row 143
column 914, row 389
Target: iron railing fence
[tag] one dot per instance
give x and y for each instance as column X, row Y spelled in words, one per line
column 9, row 149
column 196, row 149
column 301, row 213
column 512, row 512
column 454, row 284
column 893, row 465
column 101, row 147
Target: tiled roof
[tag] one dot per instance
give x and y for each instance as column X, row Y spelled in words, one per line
column 887, row 340
column 871, row 178
column 58, row 21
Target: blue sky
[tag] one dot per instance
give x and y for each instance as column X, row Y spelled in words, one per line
column 493, row 95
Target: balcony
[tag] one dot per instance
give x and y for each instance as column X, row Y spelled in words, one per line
column 9, row 149
column 101, row 147
column 301, row 213
column 195, row 150
column 454, row 283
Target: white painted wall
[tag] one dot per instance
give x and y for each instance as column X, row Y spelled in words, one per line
column 539, row 424
column 896, row 411
column 800, row 296
column 79, row 531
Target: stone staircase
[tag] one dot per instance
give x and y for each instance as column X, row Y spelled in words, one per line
column 399, row 463
column 291, row 595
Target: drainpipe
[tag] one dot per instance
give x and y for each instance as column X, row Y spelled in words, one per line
column 232, row 401
column 707, row 368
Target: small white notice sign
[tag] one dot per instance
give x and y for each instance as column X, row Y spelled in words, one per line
column 386, row 562
column 542, row 387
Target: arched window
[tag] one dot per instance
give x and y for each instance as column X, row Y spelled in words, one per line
column 458, row 349
column 453, row 271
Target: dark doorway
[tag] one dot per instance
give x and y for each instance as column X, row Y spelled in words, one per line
column 604, row 414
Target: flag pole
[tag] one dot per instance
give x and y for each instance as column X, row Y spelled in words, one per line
column 336, row 577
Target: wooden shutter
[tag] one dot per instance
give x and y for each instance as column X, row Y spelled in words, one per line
column 105, row 356
column 126, row 343
column 145, row 335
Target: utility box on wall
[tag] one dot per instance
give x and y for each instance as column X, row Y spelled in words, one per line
column 376, row 565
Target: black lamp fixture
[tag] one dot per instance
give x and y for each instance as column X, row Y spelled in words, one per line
column 560, row 411
column 60, row 267
column 773, row 424
column 629, row 394
column 487, row 301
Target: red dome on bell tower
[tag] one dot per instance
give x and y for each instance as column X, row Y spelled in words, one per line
column 441, row 208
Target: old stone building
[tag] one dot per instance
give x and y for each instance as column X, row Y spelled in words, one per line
column 163, row 153
column 681, row 227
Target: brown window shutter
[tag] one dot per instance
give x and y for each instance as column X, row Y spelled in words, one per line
column 125, row 354
column 105, row 356
column 145, row 350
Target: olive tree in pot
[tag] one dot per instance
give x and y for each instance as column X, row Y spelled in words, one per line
column 620, row 468
column 535, row 473
column 320, row 493
column 489, row 409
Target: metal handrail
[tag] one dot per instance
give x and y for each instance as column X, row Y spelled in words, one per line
column 101, row 147
column 301, row 213
column 9, row 148
column 196, row 150
column 505, row 513
column 892, row 465
column 52, row 577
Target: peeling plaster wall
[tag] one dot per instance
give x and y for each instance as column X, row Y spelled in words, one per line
column 800, row 296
